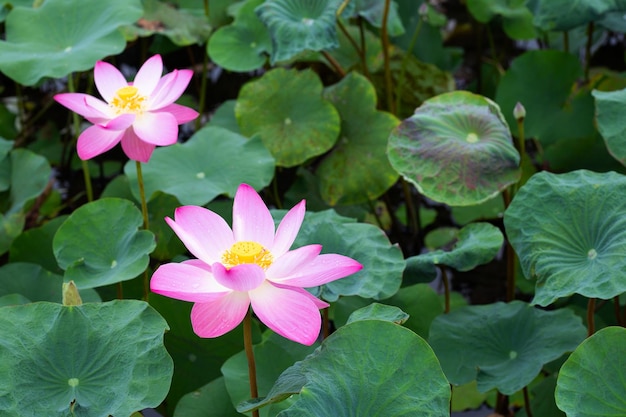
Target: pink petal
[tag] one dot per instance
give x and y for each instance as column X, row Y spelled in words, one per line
column 324, row 269
column 156, row 128
column 198, row 264
column 186, row 282
column 218, row 317
column 183, row 114
column 289, row 263
column 288, row 229
column 96, row 140
column 108, row 80
column 135, row 148
column 252, row 220
column 289, row 313
column 149, row 75
column 101, row 111
column 170, row 88
column 318, row 303
column 83, row 104
column 244, row 277
column 205, row 234
column 121, row 122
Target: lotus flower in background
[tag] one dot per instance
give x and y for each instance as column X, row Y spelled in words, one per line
column 250, row 264
column 141, row 115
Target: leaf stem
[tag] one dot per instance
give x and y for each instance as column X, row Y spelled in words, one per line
column 591, row 307
column 529, row 413
column 366, row 70
column 85, row 166
column 446, row 289
column 335, row 64
column 385, row 40
column 325, row 323
column 247, row 342
column 146, row 224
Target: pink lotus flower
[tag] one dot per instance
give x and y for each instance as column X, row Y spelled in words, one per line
column 141, row 114
column 250, row 264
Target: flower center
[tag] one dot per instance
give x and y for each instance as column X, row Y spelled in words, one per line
column 127, row 100
column 247, row 252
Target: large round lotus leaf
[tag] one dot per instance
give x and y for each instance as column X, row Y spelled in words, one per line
column 210, row 400
column 242, row 45
column 34, row 283
column 272, row 356
column 99, row 243
column 35, row 245
column 517, row 19
column 372, row 368
column 213, row 162
column 92, row 360
column 382, row 262
column 456, row 149
column 286, row 108
column 609, row 107
column 29, row 176
column 569, row 231
column 180, row 25
column 374, row 10
column 545, row 82
column 61, row 37
column 297, row 26
column 502, row 346
column 561, row 15
column 477, row 244
column 591, row 382
column 357, row 169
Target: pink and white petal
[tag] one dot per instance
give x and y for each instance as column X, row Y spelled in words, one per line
column 183, row 114
column 198, row 264
column 320, row 304
column 170, row 88
column 205, row 234
column 289, row 313
column 244, row 277
column 290, row 262
column 252, row 220
column 135, row 148
column 80, row 103
column 101, row 111
column 96, row 140
column 288, row 229
column 121, row 122
column 218, row 317
column 186, row 282
column 149, row 75
column 324, row 269
column 156, row 128
column 108, row 80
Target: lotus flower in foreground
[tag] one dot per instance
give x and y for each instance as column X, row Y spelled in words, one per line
column 249, row 265
column 140, row 115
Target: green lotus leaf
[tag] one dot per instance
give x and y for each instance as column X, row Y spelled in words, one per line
column 376, row 311
column 517, row 19
column 181, row 26
column 560, row 15
column 224, row 116
column 35, row 245
column 286, row 108
column 609, row 108
column 357, row 169
column 210, row 400
column 501, row 345
column 297, row 26
column 543, row 403
column 61, row 37
column 96, row 359
column 490, row 209
column 569, row 232
column 591, row 381
column 382, row 262
column 273, row 355
column 394, row 373
column 213, row 162
column 34, row 283
column 243, row 45
column 10, row 228
column 349, row 58
column 373, row 11
column 456, row 149
column 476, row 244
column 561, row 111
column 99, row 243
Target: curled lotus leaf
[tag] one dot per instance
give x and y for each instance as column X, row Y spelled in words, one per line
column 456, row 149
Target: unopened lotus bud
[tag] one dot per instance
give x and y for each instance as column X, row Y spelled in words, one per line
column 519, row 112
column 71, row 297
column 423, row 10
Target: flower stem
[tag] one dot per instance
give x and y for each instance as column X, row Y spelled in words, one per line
column 247, row 342
column 87, row 177
column 146, row 224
